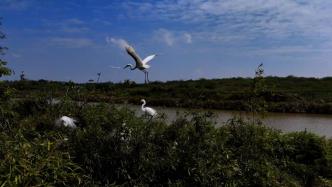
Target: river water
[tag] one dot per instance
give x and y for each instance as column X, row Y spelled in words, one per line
column 286, row 122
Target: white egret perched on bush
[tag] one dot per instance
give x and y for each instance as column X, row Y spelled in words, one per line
column 66, row 122
column 140, row 64
column 148, row 110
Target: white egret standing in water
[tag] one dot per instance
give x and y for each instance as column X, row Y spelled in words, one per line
column 148, row 110
column 139, row 63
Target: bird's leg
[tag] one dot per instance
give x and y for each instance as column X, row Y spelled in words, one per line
column 147, row 76
column 150, row 118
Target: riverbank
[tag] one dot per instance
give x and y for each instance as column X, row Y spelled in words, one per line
column 319, row 124
column 287, row 94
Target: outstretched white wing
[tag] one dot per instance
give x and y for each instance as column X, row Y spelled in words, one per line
column 148, row 58
column 131, row 51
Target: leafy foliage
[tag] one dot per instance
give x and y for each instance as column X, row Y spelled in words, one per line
column 114, row 147
column 3, row 69
column 257, row 102
column 30, row 158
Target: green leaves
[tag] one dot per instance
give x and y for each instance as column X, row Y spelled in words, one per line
column 113, row 147
column 4, row 71
column 36, row 161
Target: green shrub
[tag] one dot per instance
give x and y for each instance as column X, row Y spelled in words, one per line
column 32, row 159
column 114, row 147
column 307, row 156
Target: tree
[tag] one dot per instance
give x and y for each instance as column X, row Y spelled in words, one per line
column 4, row 71
column 257, row 101
column 99, row 74
column 22, row 76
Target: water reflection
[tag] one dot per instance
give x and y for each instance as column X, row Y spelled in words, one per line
column 286, row 122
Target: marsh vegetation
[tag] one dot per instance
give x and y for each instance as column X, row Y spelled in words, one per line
column 288, row 94
column 114, row 147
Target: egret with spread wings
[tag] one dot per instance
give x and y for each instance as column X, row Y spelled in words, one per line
column 140, row 64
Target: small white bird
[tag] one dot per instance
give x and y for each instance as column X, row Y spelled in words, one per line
column 147, row 110
column 140, row 64
column 66, row 122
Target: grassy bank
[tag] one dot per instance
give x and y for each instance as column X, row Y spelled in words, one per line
column 289, row 94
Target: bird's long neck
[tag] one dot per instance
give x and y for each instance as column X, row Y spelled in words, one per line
column 131, row 67
column 143, row 105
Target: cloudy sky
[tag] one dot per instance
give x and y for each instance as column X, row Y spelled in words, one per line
column 74, row 40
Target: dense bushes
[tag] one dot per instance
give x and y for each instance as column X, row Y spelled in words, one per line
column 113, row 147
column 30, row 158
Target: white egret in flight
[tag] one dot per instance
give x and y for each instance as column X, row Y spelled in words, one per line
column 148, row 110
column 140, row 64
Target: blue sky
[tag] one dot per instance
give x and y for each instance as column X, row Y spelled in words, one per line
column 66, row 39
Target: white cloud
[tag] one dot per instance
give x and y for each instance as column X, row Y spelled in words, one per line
column 117, row 41
column 102, row 22
column 171, row 37
column 15, row 4
column 71, row 42
column 74, row 21
column 67, row 26
column 271, row 18
column 166, row 36
column 73, row 25
column 15, row 55
column 187, row 38
column 289, row 50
